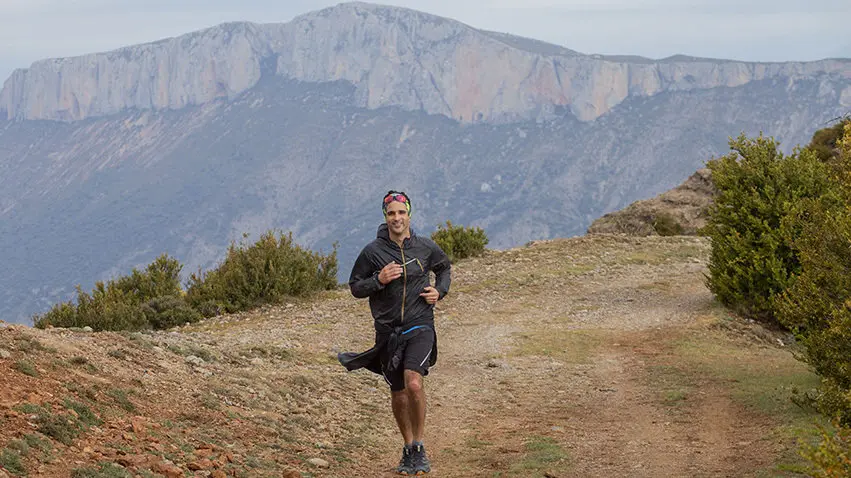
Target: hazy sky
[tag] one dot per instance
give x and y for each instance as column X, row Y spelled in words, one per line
column 757, row 30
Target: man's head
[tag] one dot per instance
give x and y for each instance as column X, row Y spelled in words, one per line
column 397, row 213
column 396, row 196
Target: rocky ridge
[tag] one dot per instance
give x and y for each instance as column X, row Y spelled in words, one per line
column 686, row 206
column 393, row 57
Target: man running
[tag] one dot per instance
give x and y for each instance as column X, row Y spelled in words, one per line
column 393, row 271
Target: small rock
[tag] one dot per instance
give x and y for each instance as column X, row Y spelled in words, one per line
column 88, row 329
column 557, row 429
column 203, row 452
column 257, row 361
column 193, row 360
column 221, row 474
column 493, row 364
column 318, row 462
column 4, row 354
column 167, row 469
column 3, row 474
column 130, row 461
column 203, row 464
column 137, row 425
column 291, row 474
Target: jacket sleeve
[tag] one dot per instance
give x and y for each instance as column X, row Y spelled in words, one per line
column 442, row 270
column 364, row 279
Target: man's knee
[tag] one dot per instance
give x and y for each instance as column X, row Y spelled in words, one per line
column 413, row 381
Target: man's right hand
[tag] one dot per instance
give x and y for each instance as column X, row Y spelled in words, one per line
column 390, row 273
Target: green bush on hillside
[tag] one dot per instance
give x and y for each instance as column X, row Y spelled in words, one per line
column 781, row 250
column 169, row 311
column 263, row 273
column 116, row 304
column 752, row 258
column 460, row 242
column 818, row 305
column 667, row 225
column 824, row 142
column 831, row 458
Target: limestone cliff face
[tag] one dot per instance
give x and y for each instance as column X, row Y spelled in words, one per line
column 188, row 70
column 393, row 57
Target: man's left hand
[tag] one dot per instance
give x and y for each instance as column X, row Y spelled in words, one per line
column 430, row 294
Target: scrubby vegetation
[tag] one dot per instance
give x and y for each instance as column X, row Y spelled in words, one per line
column 460, row 242
column 119, row 304
column 781, row 253
column 753, row 258
column 667, row 225
column 264, row 273
column 251, row 275
column 831, row 458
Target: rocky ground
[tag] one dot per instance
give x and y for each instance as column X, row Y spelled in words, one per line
column 596, row 356
column 682, row 210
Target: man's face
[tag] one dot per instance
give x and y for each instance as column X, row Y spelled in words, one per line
column 397, row 218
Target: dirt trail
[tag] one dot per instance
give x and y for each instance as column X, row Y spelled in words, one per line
column 566, row 358
column 590, row 395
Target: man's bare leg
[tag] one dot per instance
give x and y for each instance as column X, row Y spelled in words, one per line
column 401, row 410
column 416, row 404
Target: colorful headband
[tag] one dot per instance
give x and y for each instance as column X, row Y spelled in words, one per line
column 398, row 197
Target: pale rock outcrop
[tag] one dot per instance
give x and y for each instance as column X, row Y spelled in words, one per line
column 393, row 57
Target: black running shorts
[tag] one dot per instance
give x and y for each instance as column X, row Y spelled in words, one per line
column 418, row 350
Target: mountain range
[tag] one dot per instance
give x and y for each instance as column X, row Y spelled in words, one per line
column 185, row 144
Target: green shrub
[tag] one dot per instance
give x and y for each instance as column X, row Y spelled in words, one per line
column 103, row 470
column 62, row 428
column 752, row 258
column 831, row 458
column 264, row 273
column 120, row 397
column 11, row 462
column 824, row 142
column 818, row 305
column 460, row 242
column 85, row 414
column 169, row 311
column 25, row 367
column 666, row 225
column 160, row 279
column 117, row 304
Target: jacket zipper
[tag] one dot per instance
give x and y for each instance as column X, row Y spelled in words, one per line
column 404, row 282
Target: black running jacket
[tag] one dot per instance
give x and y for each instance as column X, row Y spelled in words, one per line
column 399, row 303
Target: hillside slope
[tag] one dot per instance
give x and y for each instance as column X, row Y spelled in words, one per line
column 84, row 201
column 590, row 357
column 684, row 207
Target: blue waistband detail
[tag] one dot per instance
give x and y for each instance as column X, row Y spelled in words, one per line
column 415, row 328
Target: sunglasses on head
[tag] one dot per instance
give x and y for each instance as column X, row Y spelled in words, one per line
column 395, row 197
